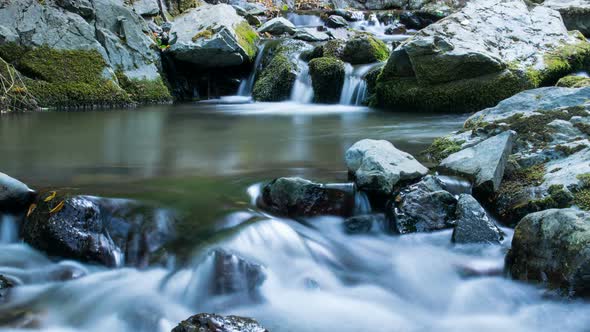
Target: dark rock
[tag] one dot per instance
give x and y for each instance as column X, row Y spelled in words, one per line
column 366, row 223
column 5, row 285
column 15, row 196
column 217, row 323
column 473, row 224
column 418, row 20
column 327, row 78
column 553, row 247
column 364, row 48
column 91, row 229
column 235, row 275
column 335, row 21
column 422, row 207
column 297, row 197
column 397, row 29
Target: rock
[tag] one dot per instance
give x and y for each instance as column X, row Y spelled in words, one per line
column 349, row 15
column 422, row 207
column 5, row 286
column 397, row 29
column 217, row 323
column 573, row 81
column 483, row 163
column 311, row 35
column 575, row 13
column 15, row 196
column 366, row 223
column 335, row 21
column 553, row 247
column 443, row 68
column 221, row 39
column 378, row 166
column 111, row 232
column 364, row 48
column 327, row 78
column 146, row 7
column 277, row 26
column 297, row 197
column 233, row 274
column 418, row 20
column 281, row 65
column 83, row 8
column 473, row 224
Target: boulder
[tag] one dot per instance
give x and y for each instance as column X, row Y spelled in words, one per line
column 553, row 247
column 483, row 163
column 218, row 323
column 280, row 67
column 311, row 35
column 472, row 224
column 233, row 274
column 327, row 78
column 222, row 38
column 419, row 20
column 366, row 223
column 15, row 196
column 575, row 13
column 277, row 26
column 464, row 62
column 574, row 81
column 297, row 197
column 364, row 48
column 422, row 207
column 378, row 166
column 111, row 232
column 146, row 7
column 83, row 8
column 335, row 21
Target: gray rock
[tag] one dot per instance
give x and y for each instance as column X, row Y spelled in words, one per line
column 422, row 207
column 297, row 197
column 311, row 35
column 277, row 26
column 218, row 40
column 217, row 323
column 83, row 8
column 146, row 7
column 473, row 224
column 483, row 163
column 575, row 13
column 233, row 274
column 378, row 166
column 335, row 21
column 366, row 223
column 15, row 196
column 5, row 286
column 111, row 232
column 553, row 246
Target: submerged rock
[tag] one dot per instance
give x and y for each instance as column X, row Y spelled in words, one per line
column 15, row 196
column 366, row 223
column 472, row 224
column 111, row 232
column 5, row 286
column 233, row 274
column 377, row 166
column 464, row 63
column 483, row 163
column 217, row 323
column 553, row 247
column 422, row 207
column 327, row 79
column 297, row 197
column 222, row 38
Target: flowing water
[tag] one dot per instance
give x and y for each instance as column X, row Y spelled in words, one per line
column 354, row 90
column 208, row 161
column 247, row 84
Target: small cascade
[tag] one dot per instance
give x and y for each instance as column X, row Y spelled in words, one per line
column 361, row 203
column 354, row 90
column 247, row 84
column 8, row 229
column 455, row 185
column 302, row 90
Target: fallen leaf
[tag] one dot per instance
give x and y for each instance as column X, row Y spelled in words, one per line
column 51, row 196
column 31, row 209
column 58, row 207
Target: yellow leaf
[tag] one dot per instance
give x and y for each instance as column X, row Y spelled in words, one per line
column 58, row 207
column 31, row 209
column 51, row 196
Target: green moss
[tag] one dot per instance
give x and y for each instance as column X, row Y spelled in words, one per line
column 582, row 199
column 247, row 38
column 60, row 78
column 561, row 62
column 144, row 91
column 276, row 81
column 574, row 82
column 457, row 96
column 442, row 148
column 327, row 78
column 364, row 48
column 206, row 34
column 333, row 48
column 513, row 199
column 14, row 95
column 569, row 150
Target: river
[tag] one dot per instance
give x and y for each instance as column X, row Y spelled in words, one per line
column 207, row 160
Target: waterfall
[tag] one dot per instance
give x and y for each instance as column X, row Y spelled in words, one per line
column 247, row 84
column 354, row 90
column 361, row 203
column 8, row 229
column 302, row 90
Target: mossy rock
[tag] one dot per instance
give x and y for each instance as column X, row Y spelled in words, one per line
column 327, row 77
column 144, row 91
column 442, row 148
column 364, row 48
column 276, row 80
column 65, row 78
column 333, row 48
column 574, row 82
column 247, row 38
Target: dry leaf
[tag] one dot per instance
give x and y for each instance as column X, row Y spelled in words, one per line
column 50, row 197
column 31, row 209
column 58, row 207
